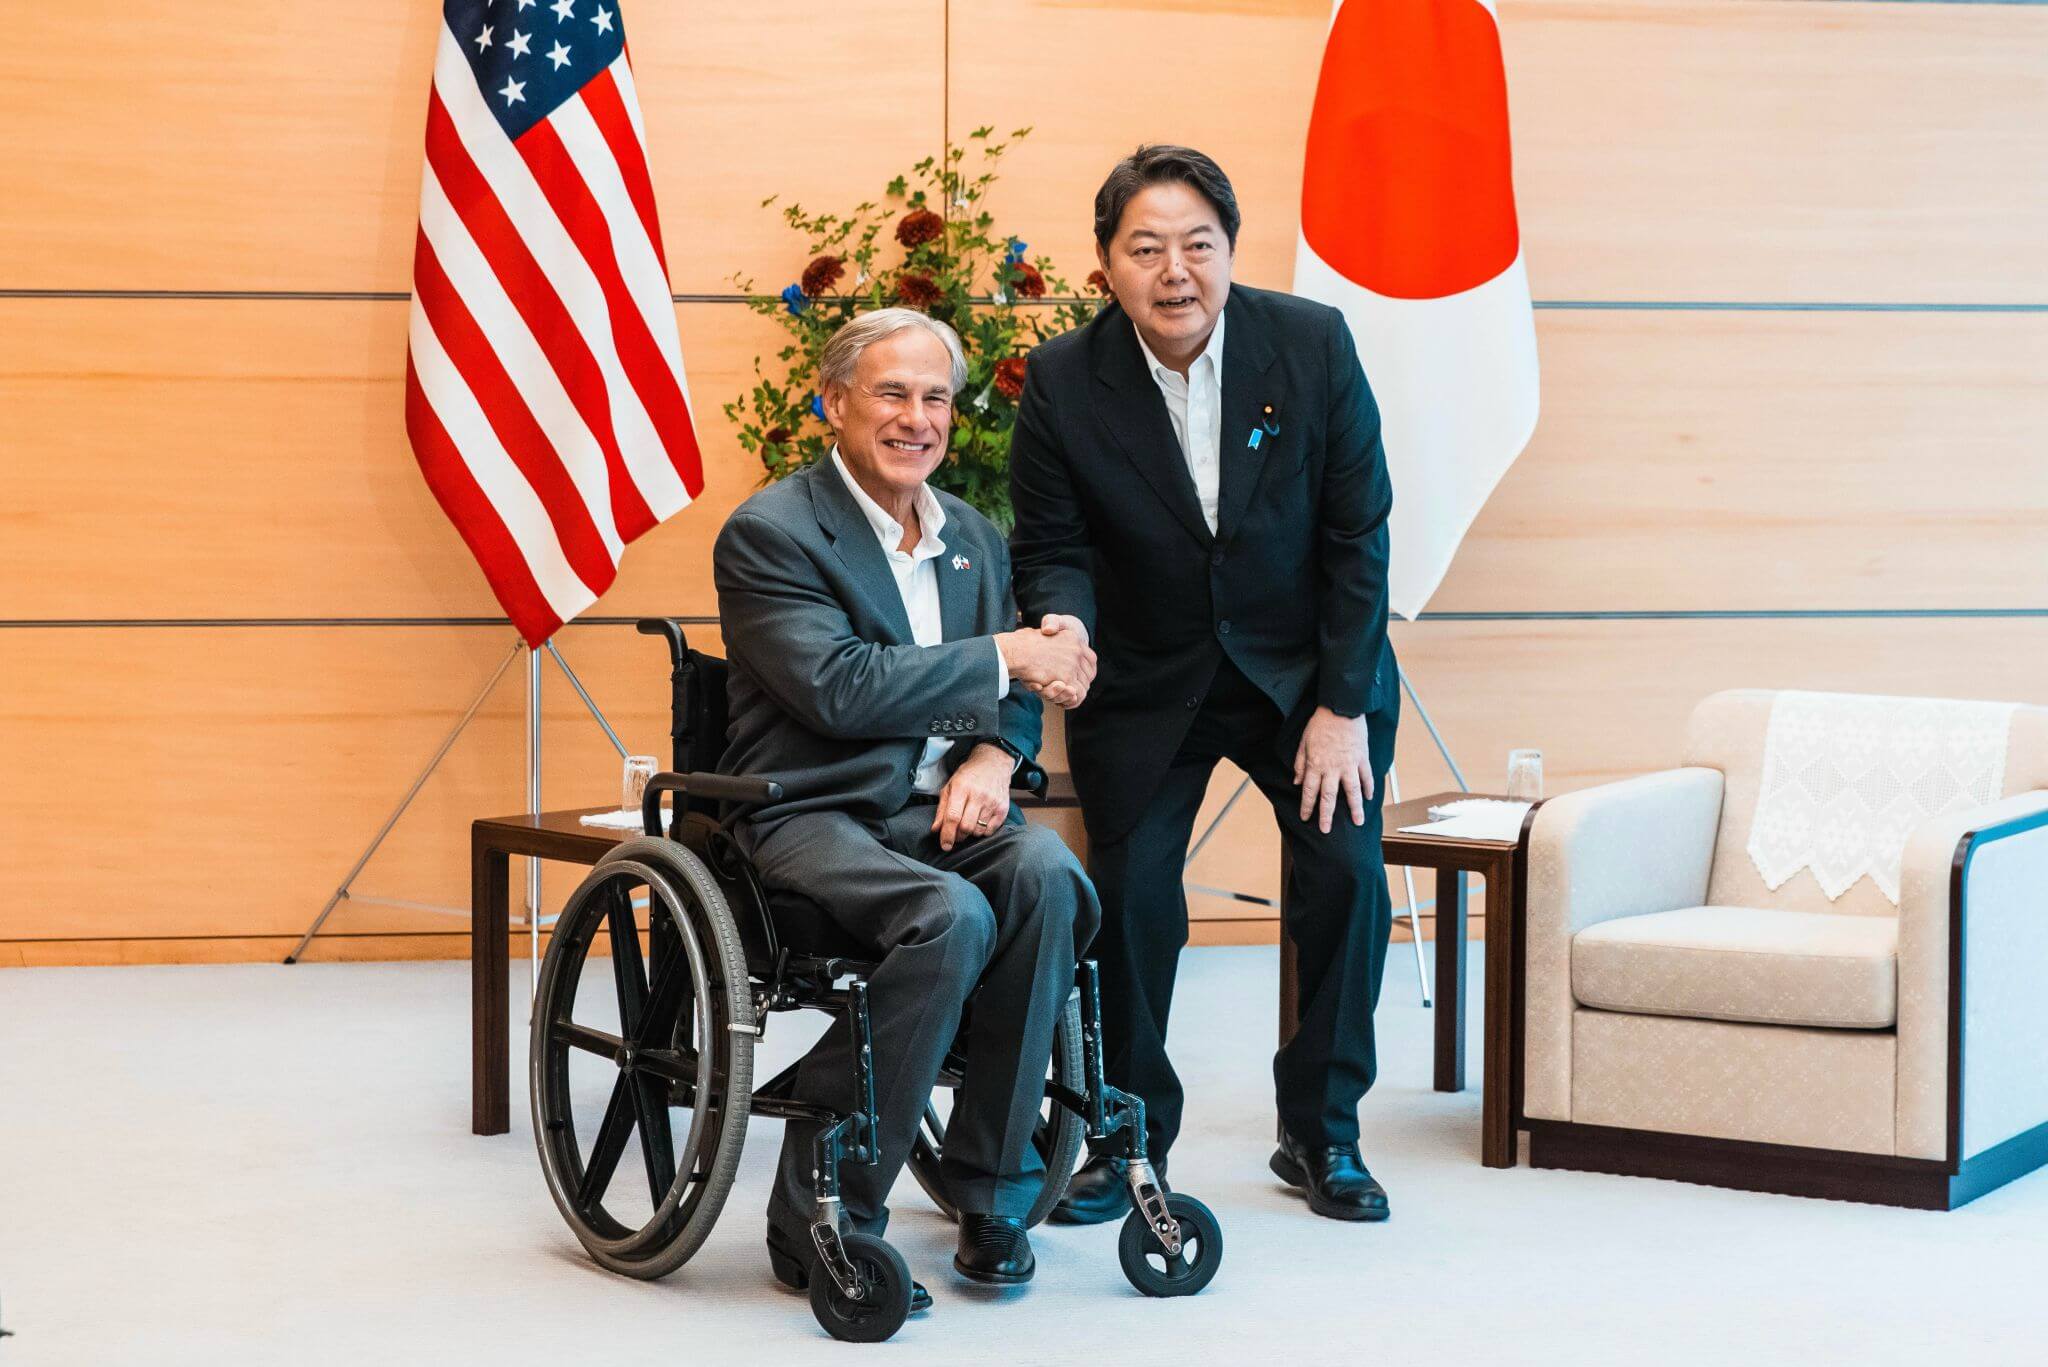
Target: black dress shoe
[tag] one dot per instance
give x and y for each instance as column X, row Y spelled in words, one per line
column 1099, row 1192
column 791, row 1258
column 995, row 1249
column 1334, row 1177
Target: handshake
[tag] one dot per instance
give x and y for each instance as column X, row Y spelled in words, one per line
column 1053, row 661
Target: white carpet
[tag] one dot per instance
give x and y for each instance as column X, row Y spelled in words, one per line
column 258, row 1164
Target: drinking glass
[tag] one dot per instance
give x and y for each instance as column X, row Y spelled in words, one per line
column 639, row 769
column 1525, row 775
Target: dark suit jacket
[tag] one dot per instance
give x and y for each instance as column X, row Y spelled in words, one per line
column 1291, row 587
column 828, row 693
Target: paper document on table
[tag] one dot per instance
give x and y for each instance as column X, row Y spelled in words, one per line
column 615, row 821
column 1475, row 819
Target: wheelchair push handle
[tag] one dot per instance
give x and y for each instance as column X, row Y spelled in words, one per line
column 712, row 787
column 668, row 627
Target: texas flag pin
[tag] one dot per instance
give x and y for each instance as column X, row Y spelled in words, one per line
column 961, row 562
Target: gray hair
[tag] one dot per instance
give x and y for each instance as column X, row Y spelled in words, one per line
column 842, row 353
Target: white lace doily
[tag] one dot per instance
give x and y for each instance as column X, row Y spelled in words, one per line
column 1847, row 777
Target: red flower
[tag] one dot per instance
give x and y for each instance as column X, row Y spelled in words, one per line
column 917, row 289
column 1099, row 282
column 1010, row 374
column 1030, row 284
column 918, row 227
column 777, row 436
column 822, row 275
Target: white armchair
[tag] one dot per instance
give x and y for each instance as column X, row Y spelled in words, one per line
column 1683, row 1019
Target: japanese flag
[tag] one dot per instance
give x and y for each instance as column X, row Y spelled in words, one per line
column 1408, row 226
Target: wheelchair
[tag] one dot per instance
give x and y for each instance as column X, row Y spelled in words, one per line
column 664, row 1043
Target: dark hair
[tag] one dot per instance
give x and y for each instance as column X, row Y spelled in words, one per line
column 1156, row 165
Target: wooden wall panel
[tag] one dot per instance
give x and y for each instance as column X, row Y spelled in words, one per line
column 1684, row 461
column 220, row 781
column 1759, row 149
column 221, row 458
column 1726, row 461
column 1665, row 149
column 195, row 147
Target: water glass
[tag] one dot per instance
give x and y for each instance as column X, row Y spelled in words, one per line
column 639, row 769
column 1525, row 775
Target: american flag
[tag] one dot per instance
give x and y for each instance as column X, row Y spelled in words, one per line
column 544, row 388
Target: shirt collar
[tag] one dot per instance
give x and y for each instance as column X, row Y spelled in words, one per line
column 931, row 518
column 1213, row 353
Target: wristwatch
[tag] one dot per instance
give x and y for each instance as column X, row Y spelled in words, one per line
column 1017, row 757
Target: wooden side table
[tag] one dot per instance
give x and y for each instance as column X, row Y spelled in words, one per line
column 1496, row 861
column 493, row 842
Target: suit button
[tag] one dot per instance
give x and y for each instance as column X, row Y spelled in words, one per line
column 1223, row 627
column 1194, row 703
column 1216, row 557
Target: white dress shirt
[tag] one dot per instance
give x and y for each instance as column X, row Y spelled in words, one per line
column 1196, row 406
column 917, row 580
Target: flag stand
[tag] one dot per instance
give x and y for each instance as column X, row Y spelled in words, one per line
column 1393, row 794
column 533, row 918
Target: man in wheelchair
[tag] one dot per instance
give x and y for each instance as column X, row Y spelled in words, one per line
column 877, row 676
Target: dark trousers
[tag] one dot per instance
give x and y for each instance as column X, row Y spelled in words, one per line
column 1337, row 911
column 998, row 919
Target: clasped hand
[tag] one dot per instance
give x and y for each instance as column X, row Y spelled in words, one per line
column 1053, row 661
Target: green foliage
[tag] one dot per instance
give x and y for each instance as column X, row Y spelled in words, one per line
column 963, row 275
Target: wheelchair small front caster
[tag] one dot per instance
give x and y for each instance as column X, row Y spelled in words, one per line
column 884, row 1302
column 1156, row 1272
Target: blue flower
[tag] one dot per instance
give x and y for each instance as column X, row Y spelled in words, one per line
column 794, row 299
column 818, row 408
column 1016, row 251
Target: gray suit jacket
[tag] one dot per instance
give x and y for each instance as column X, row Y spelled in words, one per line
column 828, row 693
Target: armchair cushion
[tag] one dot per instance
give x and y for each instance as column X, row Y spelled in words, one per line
column 1742, row 964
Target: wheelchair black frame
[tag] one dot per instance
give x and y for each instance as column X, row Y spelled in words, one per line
column 1114, row 1119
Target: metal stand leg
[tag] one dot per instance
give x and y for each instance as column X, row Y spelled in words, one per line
column 1414, row 922
column 584, row 694
column 1442, row 749
column 532, row 809
column 533, row 802
column 341, row 892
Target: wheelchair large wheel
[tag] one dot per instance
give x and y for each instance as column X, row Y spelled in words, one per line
column 1058, row 1138
column 657, row 1048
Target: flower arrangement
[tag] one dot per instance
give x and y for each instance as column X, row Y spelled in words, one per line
column 952, row 265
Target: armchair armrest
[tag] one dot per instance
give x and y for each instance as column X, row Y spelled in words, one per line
column 1622, row 849
column 1973, row 899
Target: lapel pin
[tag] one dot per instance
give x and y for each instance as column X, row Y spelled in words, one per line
column 961, row 562
column 1270, row 421
column 1257, row 432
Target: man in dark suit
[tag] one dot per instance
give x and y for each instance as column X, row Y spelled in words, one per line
column 1201, row 495
column 872, row 639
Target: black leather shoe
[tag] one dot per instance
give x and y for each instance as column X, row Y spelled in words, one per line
column 995, row 1249
column 791, row 1260
column 1334, row 1178
column 1100, row 1192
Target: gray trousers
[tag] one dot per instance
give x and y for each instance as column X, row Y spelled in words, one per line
column 999, row 919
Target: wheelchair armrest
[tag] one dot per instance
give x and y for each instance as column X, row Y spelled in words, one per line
column 1029, row 778
column 714, row 787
